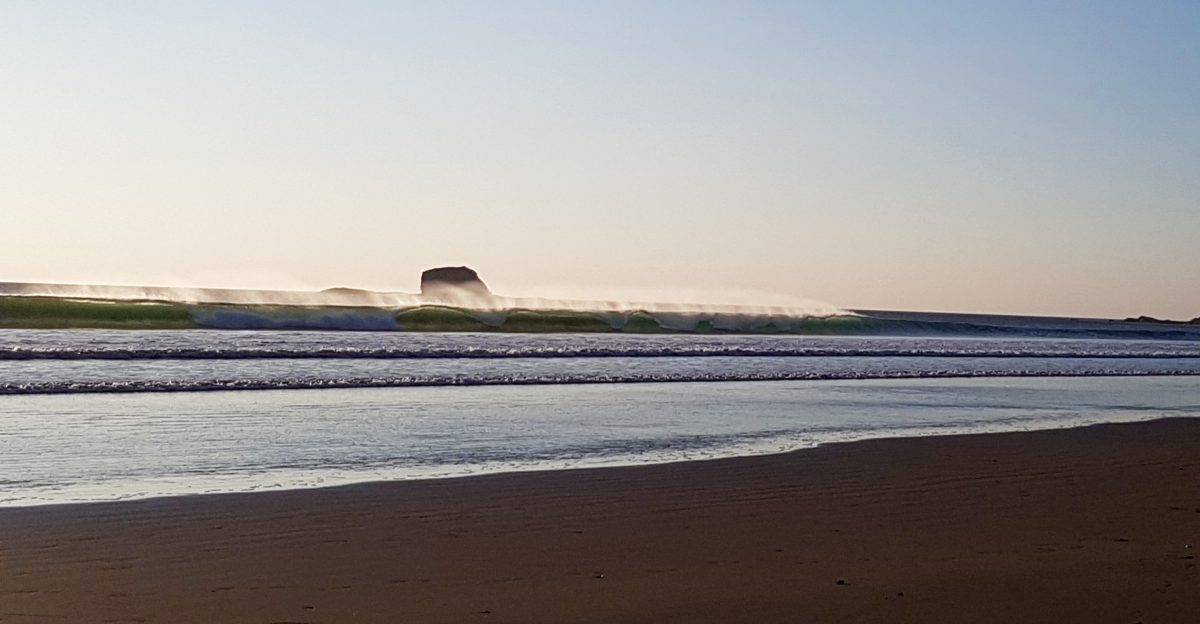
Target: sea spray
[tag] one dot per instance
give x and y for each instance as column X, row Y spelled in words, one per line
column 436, row 309
column 350, row 297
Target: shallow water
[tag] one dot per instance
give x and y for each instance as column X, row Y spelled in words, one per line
column 89, row 447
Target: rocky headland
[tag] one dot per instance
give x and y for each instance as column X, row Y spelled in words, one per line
column 453, row 282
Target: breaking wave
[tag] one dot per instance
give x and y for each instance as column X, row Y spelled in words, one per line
column 60, row 313
column 35, row 388
column 543, row 351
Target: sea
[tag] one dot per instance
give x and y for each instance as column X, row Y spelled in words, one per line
column 102, row 415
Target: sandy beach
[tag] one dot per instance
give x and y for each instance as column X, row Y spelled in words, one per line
column 1099, row 524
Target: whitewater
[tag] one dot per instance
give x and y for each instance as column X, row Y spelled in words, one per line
column 77, row 361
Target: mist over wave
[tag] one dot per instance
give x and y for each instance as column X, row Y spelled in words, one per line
column 451, row 299
column 353, row 297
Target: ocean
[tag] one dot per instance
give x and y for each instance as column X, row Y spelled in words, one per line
column 91, row 415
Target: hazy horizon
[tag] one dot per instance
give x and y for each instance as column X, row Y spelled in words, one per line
column 1012, row 158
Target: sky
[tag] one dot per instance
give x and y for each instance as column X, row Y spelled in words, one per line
column 1004, row 157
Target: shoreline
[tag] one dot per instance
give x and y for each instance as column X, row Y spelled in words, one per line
column 616, row 463
column 1088, row 524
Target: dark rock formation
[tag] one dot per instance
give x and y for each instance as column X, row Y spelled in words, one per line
column 1145, row 319
column 453, row 282
column 1151, row 319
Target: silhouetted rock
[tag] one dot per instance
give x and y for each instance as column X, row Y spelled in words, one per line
column 453, row 282
column 1151, row 319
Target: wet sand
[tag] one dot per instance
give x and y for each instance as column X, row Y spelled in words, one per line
column 1095, row 525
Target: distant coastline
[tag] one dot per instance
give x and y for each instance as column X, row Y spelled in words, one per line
column 1151, row 319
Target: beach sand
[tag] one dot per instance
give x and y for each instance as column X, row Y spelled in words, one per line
column 1099, row 524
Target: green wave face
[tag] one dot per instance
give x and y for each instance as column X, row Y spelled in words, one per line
column 530, row 321
column 58, row 313
column 436, row 318
column 35, row 312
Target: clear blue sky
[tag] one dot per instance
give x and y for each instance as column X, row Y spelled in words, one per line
column 1021, row 157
